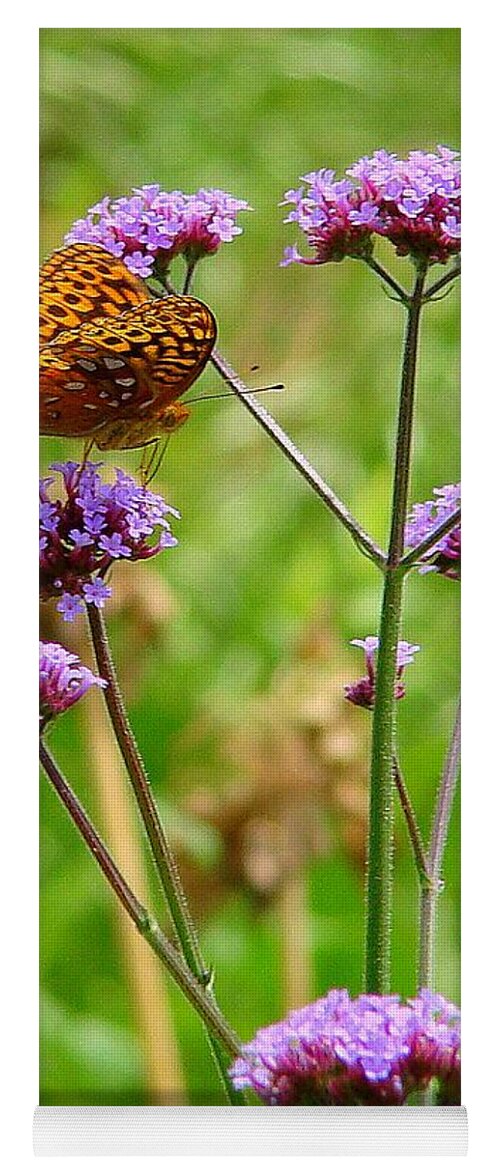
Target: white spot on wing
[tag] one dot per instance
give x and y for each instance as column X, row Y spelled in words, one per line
column 113, row 363
column 86, row 364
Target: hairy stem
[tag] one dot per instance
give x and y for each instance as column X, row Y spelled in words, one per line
column 364, row 542
column 161, row 850
column 411, row 824
column 401, row 293
column 333, row 502
column 380, row 845
column 443, row 281
column 162, row 853
column 432, row 538
column 190, row 268
column 147, row 926
column 429, row 898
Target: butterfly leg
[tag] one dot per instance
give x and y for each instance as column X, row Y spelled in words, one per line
column 151, row 463
column 87, row 448
column 147, row 458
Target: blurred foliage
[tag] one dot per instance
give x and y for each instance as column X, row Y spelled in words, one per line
column 259, row 557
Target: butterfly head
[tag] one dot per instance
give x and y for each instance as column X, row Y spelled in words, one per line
column 173, row 417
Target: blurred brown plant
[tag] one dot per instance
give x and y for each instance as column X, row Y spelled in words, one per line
column 293, row 761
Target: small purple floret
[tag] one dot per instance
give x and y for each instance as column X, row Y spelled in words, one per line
column 362, row 692
column 445, row 556
column 63, row 680
column 366, row 1051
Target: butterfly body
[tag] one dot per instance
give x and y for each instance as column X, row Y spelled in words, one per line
column 114, row 361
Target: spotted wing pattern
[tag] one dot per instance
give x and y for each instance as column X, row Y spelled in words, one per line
column 84, row 281
column 117, row 377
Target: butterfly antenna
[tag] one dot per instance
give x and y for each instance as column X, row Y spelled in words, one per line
column 231, row 394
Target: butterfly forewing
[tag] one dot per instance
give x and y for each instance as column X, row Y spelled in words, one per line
column 115, row 375
column 84, row 281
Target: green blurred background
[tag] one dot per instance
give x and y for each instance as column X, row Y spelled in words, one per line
column 264, row 590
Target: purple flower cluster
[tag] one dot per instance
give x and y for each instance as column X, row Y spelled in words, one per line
column 96, row 524
column 413, row 202
column 445, row 555
column 152, row 224
column 63, row 680
column 369, row 1051
column 362, row 693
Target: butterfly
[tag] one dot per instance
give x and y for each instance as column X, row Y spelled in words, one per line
column 114, row 361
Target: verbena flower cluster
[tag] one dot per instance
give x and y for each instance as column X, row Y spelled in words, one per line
column 369, row 1051
column 63, row 680
column 362, row 693
column 413, row 202
column 94, row 525
column 152, row 224
column 445, row 555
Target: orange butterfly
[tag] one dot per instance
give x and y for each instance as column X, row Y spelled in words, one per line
column 113, row 360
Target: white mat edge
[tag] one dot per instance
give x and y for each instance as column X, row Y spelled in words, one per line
column 259, row 1130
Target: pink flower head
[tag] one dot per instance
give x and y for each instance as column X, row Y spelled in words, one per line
column 152, row 226
column 415, row 203
column 93, row 525
column 367, row 1051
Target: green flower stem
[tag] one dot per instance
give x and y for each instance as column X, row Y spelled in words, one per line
column 443, row 281
column 430, row 894
column 193, row 991
column 362, row 539
column 364, row 542
column 401, row 294
column 380, row 843
column 444, row 527
column 190, row 268
column 162, row 853
column 411, row 824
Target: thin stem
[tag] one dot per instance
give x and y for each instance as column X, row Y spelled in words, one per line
column 380, row 847
column 299, row 461
column 405, row 426
column 432, row 538
column 190, row 267
column 443, row 281
column 333, row 502
column 411, row 824
column 428, row 904
column 162, row 853
column 401, row 293
column 146, row 925
column 164, row 1074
